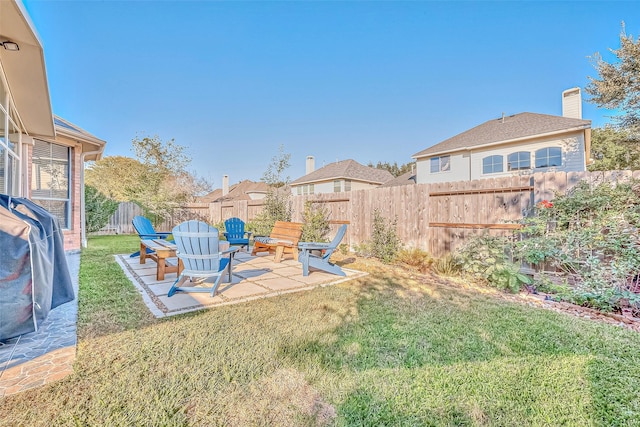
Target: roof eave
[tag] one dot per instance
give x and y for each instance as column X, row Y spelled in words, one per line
column 337, row 177
column 506, row 141
column 25, row 70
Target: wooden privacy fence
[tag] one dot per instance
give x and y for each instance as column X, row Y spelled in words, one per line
column 434, row 217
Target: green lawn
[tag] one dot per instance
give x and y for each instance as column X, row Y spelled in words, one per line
column 392, row 349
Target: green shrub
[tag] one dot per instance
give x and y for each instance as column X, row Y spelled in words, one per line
column 315, row 226
column 486, row 258
column 98, row 208
column 385, row 242
column 276, row 207
column 591, row 236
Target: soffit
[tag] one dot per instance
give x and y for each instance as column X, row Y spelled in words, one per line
column 25, row 69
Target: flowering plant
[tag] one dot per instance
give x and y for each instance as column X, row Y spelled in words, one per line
column 545, row 204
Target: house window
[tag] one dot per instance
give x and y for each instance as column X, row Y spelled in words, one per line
column 440, row 164
column 549, row 157
column 51, row 179
column 347, row 185
column 337, row 187
column 299, row 190
column 518, row 161
column 10, row 147
column 492, row 164
column 307, row 189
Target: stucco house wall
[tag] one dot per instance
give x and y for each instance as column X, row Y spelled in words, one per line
column 467, row 165
column 464, row 153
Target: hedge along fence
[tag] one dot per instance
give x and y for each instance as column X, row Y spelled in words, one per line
column 434, row 217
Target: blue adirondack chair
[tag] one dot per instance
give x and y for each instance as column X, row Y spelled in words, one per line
column 145, row 230
column 198, row 247
column 234, row 232
column 309, row 259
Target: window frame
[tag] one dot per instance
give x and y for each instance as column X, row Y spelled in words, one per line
column 547, row 156
column 518, row 161
column 492, row 164
column 66, row 222
column 440, row 164
column 11, row 160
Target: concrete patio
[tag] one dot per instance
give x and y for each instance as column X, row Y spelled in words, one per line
column 46, row 355
column 253, row 277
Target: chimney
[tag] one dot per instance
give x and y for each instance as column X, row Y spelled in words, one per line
column 311, row 165
column 225, row 185
column 572, row 103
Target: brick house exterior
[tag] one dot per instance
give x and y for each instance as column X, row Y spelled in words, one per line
column 42, row 156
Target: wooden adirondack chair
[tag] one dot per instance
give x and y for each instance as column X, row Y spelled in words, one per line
column 145, row 230
column 197, row 247
column 234, row 232
column 321, row 262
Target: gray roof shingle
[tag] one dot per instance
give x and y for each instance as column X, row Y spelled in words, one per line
column 404, row 179
column 236, row 192
column 346, row 169
column 512, row 127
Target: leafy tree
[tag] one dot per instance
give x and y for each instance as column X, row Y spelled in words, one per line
column 161, row 157
column 98, row 208
column 618, row 85
column 614, row 149
column 394, row 169
column 274, row 173
column 158, row 180
column 277, row 203
column 116, row 177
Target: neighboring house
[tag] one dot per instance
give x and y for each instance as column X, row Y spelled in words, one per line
column 404, row 179
column 244, row 190
column 41, row 155
column 519, row 144
column 345, row 175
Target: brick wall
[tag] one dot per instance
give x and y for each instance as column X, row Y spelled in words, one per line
column 73, row 236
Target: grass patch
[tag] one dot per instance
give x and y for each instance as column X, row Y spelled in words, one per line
column 394, row 348
column 107, row 300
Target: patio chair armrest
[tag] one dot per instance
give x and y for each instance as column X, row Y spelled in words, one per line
column 229, row 251
column 312, row 246
column 155, row 236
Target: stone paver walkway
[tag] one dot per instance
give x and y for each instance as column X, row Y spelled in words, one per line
column 46, row 355
column 252, row 277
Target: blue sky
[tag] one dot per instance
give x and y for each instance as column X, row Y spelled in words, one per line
column 369, row 81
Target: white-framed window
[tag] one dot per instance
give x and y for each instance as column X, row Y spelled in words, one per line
column 337, row 186
column 492, row 164
column 299, row 190
column 549, row 157
column 440, row 164
column 519, row 161
column 10, row 145
column 307, row 189
column 51, row 179
column 347, row 185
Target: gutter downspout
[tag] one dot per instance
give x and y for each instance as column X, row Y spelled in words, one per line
column 83, row 222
